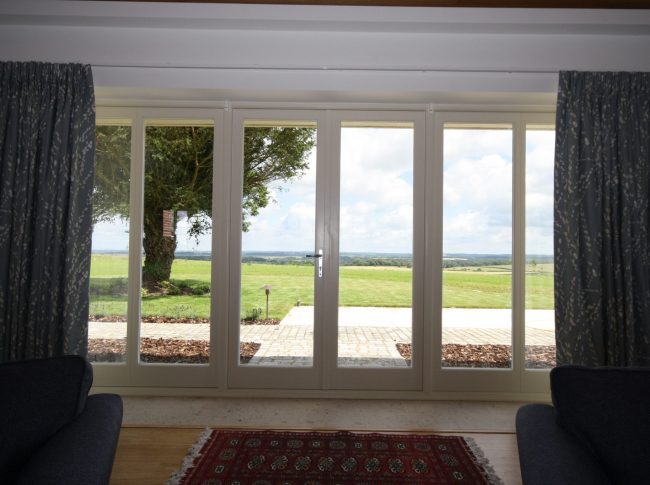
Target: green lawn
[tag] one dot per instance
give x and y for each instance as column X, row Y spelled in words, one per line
column 483, row 287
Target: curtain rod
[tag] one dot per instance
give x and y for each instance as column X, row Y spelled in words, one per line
column 336, row 69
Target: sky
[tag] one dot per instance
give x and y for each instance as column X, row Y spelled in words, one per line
column 477, row 200
column 377, row 198
column 540, row 154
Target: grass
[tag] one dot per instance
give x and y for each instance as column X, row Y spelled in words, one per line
column 472, row 287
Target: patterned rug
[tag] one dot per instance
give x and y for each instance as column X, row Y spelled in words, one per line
column 231, row 457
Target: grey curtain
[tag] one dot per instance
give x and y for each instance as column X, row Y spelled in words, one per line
column 602, row 219
column 47, row 149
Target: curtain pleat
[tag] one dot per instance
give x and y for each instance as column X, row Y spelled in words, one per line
column 602, row 216
column 47, row 150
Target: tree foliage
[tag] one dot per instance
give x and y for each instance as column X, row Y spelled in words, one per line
column 112, row 169
column 178, row 177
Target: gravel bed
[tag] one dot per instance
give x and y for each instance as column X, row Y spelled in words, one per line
column 154, row 319
column 168, row 351
column 492, row 356
column 197, row 352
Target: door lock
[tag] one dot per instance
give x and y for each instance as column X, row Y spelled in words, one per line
column 318, row 256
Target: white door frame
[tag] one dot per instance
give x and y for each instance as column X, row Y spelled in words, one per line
column 407, row 378
column 223, row 371
column 516, row 378
column 265, row 377
column 134, row 372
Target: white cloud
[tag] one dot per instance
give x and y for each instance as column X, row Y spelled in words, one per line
column 381, row 188
column 300, row 219
column 484, row 182
column 477, row 143
column 377, row 164
column 475, row 232
column 465, row 223
column 376, row 190
column 478, row 205
column 539, row 209
column 288, row 228
column 353, row 221
column 540, row 154
column 112, row 235
column 376, row 198
column 366, row 228
column 539, row 240
column 383, row 149
column 477, row 194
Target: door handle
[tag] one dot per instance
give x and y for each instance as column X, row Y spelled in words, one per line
column 319, row 257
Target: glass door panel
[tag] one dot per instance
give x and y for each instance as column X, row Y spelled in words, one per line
column 375, row 245
column 278, row 263
column 177, row 242
column 477, row 246
column 540, row 304
column 109, row 266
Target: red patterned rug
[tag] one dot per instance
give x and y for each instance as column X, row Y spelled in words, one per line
column 231, row 457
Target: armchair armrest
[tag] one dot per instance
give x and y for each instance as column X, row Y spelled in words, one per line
column 82, row 452
column 548, row 455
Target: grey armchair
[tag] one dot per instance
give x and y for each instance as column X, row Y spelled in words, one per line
column 51, row 431
column 596, row 432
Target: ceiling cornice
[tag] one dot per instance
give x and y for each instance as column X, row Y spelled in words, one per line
column 319, row 18
column 575, row 4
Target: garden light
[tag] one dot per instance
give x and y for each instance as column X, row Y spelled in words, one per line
column 267, row 290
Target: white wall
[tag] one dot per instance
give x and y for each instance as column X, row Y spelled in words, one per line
column 324, row 53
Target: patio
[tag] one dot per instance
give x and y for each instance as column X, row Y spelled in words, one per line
column 367, row 335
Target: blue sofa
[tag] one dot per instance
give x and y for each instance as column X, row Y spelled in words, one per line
column 596, row 432
column 51, row 431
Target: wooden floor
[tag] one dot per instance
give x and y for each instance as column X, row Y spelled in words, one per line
column 148, row 455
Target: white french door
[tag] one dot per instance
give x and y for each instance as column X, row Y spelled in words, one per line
column 306, row 307
column 276, row 221
column 376, row 214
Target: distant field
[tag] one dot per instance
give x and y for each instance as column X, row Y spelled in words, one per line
column 472, row 287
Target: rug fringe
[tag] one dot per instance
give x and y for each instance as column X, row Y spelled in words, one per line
column 192, row 454
column 482, row 460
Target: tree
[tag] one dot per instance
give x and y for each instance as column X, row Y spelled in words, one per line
column 178, row 177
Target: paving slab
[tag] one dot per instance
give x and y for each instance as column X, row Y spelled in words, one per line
column 361, row 343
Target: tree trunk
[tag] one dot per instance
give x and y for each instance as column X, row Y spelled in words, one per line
column 159, row 245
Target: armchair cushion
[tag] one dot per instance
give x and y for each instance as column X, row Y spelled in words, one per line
column 39, row 398
column 607, row 410
column 82, row 452
column 549, row 455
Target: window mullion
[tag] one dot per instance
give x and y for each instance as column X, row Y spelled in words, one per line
column 135, row 240
column 519, row 237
